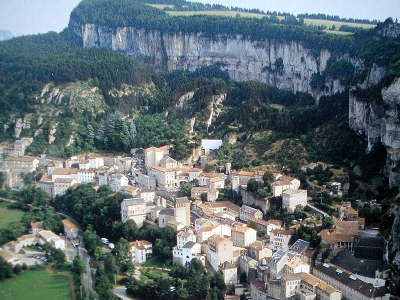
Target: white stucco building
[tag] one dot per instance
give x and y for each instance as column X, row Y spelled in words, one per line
column 140, row 251
column 292, row 198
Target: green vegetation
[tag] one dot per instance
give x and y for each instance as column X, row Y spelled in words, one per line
column 261, row 189
column 337, row 24
column 38, row 211
column 12, row 225
column 329, row 26
column 182, row 8
column 9, row 216
column 128, row 13
column 192, row 282
column 30, row 61
column 99, row 214
column 222, row 13
column 39, row 284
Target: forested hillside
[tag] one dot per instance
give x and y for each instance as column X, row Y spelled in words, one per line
column 123, row 103
column 29, row 62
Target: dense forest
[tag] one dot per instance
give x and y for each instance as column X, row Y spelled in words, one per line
column 26, row 63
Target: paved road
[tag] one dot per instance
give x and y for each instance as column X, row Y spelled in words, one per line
column 317, row 210
column 120, row 291
column 84, row 256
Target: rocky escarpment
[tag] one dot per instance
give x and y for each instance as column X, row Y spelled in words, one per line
column 377, row 117
column 53, row 100
column 285, row 64
column 391, row 31
column 392, row 255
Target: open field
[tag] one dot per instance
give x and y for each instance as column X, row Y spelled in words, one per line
column 232, row 13
column 37, row 285
column 222, row 13
column 9, row 215
column 338, row 32
column 329, row 23
column 161, row 6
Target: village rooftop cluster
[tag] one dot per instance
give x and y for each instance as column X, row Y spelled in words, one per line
column 223, row 236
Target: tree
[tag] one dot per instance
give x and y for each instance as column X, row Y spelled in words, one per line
column 54, row 255
column 103, row 284
column 182, row 293
column 122, row 253
column 185, row 189
column 253, row 185
column 91, row 240
column 111, row 266
column 225, row 154
column 6, row 270
column 279, row 64
column 77, row 266
column 327, row 223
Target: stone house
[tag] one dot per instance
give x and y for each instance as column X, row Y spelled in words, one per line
column 197, row 191
column 292, row 198
column 131, row 190
column 284, row 183
column 229, row 273
column 219, row 249
column 70, row 229
column 51, row 238
column 280, row 238
column 140, row 251
column 118, row 181
column 20, row 164
column 243, row 235
column 153, row 156
column 134, row 209
column 307, row 286
column 247, row 213
column 257, row 250
column 258, row 290
column 277, row 263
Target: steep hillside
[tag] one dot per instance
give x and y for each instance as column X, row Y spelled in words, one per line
column 295, row 57
column 49, row 88
column 249, row 49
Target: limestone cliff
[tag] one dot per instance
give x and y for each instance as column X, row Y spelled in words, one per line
column 378, row 119
column 392, row 255
column 285, row 64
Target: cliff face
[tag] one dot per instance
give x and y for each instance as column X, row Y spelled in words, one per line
column 378, row 121
column 392, row 255
column 284, row 64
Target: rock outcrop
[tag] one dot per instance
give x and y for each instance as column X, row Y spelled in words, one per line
column 380, row 124
column 392, row 255
column 285, row 64
column 215, row 108
column 391, row 31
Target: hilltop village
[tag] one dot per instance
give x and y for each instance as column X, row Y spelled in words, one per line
column 220, row 219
